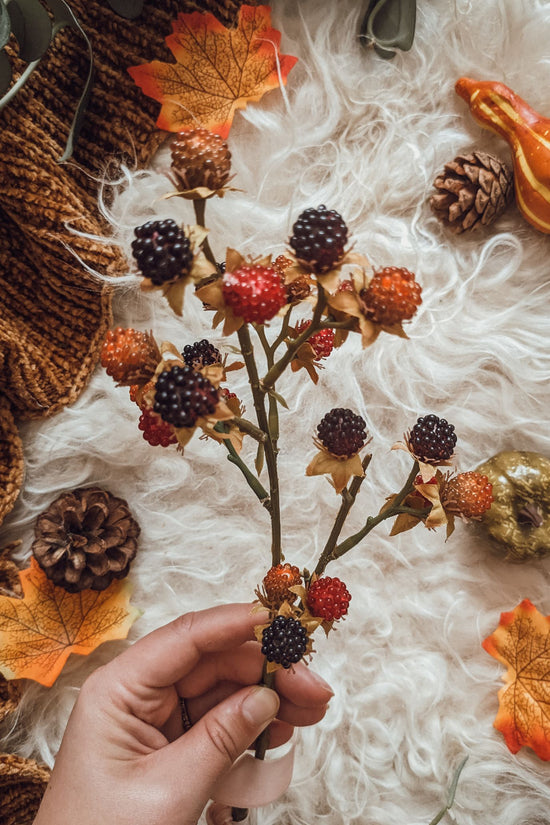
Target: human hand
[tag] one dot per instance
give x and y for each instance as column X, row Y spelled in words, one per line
column 123, row 758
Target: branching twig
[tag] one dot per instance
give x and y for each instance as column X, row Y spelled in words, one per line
column 199, row 205
column 392, row 510
column 279, row 366
column 348, row 500
column 270, row 454
column 252, row 481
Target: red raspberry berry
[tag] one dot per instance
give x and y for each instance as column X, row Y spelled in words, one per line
column 392, row 296
column 129, row 356
column 277, row 581
column 255, row 293
column 470, row 494
column 322, row 342
column 328, row 598
column 156, row 431
column 133, row 393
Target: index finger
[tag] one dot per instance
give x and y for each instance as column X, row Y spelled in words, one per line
column 170, row 652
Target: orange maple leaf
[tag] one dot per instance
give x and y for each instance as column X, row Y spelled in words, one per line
column 39, row 631
column 218, row 70
column 522, row 642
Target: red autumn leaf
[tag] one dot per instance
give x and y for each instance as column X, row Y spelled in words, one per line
column 39, row 631
column 218, row 70
column 522, row 643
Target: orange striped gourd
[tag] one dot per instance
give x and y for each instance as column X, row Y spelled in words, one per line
column 498, row 108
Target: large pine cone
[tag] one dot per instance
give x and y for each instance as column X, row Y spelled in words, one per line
column 85, row 539
column 473, row 190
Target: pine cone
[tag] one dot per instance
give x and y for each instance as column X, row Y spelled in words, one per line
column 85, row 539
column 473, row 189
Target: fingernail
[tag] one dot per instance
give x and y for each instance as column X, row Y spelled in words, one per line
column 320, row 682
column 260, row 706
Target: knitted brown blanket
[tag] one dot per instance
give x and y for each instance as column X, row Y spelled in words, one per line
column 53, row 315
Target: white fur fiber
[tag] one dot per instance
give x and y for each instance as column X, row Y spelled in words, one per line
column 415, row 691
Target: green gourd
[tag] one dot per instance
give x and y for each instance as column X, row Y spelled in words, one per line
column 519, row 518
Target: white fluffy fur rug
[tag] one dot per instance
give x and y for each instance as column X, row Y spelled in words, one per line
column 415, row 692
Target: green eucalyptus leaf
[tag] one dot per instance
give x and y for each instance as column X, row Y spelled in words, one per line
column 63, row 16
column 32, row 27
column 5, row 73
column 127, row 8
column 5, row 25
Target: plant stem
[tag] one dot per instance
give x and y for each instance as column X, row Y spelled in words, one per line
column 348, row 500
column 282, row 334
column 270, row 453
column 199, row 205
column 372, row 521
column 260, row 746
column 279, row 367
column 251, row 479
column 250, row 429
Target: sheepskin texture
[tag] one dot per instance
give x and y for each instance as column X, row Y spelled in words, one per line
column 415, row 691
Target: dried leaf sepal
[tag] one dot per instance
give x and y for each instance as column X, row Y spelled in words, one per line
column 200, row 268
column 349, row 304
column 425, row 466
column 340, row 468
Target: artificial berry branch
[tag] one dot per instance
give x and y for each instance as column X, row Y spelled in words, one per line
column 180, row 393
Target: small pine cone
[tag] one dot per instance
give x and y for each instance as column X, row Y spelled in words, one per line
column 473, row 190
column 200, row 158
column 85, row 539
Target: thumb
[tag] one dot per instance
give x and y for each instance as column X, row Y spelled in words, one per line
column 213, row 744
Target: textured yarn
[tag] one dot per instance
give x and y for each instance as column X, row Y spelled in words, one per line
column 53, row 313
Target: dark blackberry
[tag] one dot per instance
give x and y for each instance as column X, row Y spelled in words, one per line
column 201, row 354
column 318, row 239
column 183, row 395
column 432, row 438
column 284, row 641
column 220, row 267
column 342, row 432
column 162, row 251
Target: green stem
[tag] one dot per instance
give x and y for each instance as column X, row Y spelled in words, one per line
column 250, row 429
column 273, row 415
column 199, row 205
column 275, row 372
column 348, row 499
column 270, row 453
column 252, row 481
column 372, row 521
column 282, row 334
column 261, row 745
column 451, row 794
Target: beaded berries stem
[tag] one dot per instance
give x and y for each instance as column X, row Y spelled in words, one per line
column 247, row 351
column 394, row 509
